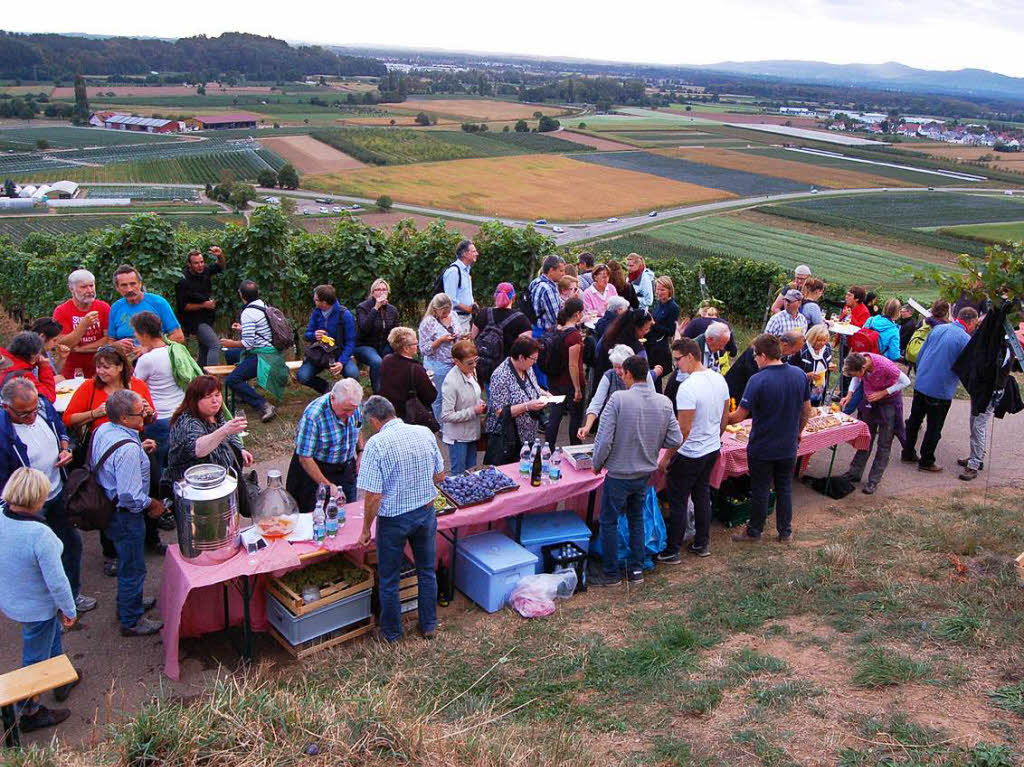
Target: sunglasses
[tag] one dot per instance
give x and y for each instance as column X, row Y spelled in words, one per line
column 106, row 348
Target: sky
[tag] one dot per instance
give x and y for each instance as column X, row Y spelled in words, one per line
column 929, row 34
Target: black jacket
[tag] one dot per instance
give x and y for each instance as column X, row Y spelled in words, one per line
column 981, row 365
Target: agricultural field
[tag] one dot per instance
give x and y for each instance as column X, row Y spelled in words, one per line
column 884, row 175
column 1012, row 161
column 189, row 169
column 594, row 142
column 388, row 146
column 530, row 186
column 921, row 210
column 750, row 115
column 308, row 155
column 137, row 192
column 20, row 227
column 481, row 110
column 841, row 262
column 994, row 233
column 99, row 91
column 782, row 167
column 66, row 137
column 742, row 183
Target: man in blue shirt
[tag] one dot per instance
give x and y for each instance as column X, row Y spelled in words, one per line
column 458, row 285
column 329, row 318
column 543, row 294
column 135, row 299
column 325, row 445
column 778, row 398
column 400, row 465
column 935, row 386
column 124, row 477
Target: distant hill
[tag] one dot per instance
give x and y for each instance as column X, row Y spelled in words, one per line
column 973, row 82
column 60, row 57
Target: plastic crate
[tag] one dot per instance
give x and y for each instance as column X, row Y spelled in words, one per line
column 733, row 511
column 561, row 556
column 488, row 566
column 297, row 629
column 535, row 531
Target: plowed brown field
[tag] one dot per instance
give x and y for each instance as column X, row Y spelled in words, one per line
column 476, row 109
column 309, row 155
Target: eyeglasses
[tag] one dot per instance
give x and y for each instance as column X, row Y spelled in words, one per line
column 533, row 360
column 675, row 358
column 21, row 413
column 140, row 414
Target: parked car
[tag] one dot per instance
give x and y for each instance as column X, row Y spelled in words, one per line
column 1008, row 192
column 355, row 207
column 335, row 209
column 541, row 221
column 613, row 220
column 323, row 209
column 307, row 212
column 652, row 214
column 557, row 229
column 324, row 200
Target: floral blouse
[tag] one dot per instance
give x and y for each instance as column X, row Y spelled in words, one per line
column 508, row 389
column 430, row 330
column 184, row 433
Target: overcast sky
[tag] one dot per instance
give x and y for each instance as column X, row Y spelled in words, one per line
column 931, row 34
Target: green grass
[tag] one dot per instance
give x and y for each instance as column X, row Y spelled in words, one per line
column 18, row 228
column 987, row 233
column 60, row 137
column 1009, row 698
column 920, row 210
column 187, row 169
column 880, row 667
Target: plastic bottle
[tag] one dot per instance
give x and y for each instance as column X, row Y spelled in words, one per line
column 555, row 472
column 331, row 519
column 545, row 460
column 525, row 456
column 341, row 514
column 321, row 496
column 319, row 525
column 79, row 373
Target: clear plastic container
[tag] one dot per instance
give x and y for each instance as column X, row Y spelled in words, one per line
column 274, row 510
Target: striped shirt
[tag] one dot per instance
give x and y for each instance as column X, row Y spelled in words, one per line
column 255, row 326
column 400, row 462
column 783, row 322
column 323, row 436
column 125, row 475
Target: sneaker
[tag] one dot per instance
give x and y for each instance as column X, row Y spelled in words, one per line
column 110, row 568
column 43, row 717
column 965, row 463
column 666, row 558
column 428, row 635
column 269, row 413
column 745, row 537
column 635, row 576
column 699, row 551
column 84, row 604
column 602, row 579
column 787, row 538
column 934, row 468
column 148, row 603
column 869, row 488
column 910, row 458
column 143, row 627
column 61, row 693
column 968, row 474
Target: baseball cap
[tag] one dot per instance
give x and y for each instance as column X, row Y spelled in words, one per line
column 792, row 295
column 803, row 269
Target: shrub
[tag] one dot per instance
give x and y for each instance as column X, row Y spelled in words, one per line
column 384, row 203
column 547, row 124
column 423, row 119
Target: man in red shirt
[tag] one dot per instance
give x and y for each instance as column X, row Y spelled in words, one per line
column 83, row 319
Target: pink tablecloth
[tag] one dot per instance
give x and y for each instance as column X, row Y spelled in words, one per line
column 191, row 603
column 733, row 460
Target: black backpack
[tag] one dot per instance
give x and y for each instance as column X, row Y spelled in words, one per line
column 439, row 282
column 490, row 345
column 553, row 357
column 525, row 304
column 282, row 334
column 85, row 503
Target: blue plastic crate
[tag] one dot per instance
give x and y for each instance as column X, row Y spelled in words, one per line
column 489, row 565
column 301, row 628
column 539, row 530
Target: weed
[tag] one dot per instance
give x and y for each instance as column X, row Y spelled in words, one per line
column 770, row 754
column 985, row 755
column 782, row 696
column 700, row 698
column 881, row 667
column 962, row 627
column 1009, row 698
column 676, row 752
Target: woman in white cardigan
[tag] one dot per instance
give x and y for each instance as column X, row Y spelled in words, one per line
column 461, row 408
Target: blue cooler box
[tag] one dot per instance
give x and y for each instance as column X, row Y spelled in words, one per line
column 489, row 565
column 539, row 530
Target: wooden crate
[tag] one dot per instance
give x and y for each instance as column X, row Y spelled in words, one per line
column 294, row 604
column 332, row 639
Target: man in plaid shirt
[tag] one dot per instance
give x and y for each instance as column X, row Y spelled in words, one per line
column 544, row 294
column 325, row 445
column 790, row 317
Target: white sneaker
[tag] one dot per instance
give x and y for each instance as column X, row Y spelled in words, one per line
column 84, row 604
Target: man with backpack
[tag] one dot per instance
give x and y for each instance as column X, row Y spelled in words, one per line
column 457, row 284
column 260, row 355
column 494, row 331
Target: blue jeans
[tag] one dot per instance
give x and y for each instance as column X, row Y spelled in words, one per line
column 40, row 640
column 238, row 382
column 461, row 456
column 128, row 531
column 232, row 355
column 368, row 356
column 618, row 496
column 762, row 475
column 419, row 528
column 160, row 432
column 440, row 370
column 855, row 400
column 308, row 374
column 71, row 557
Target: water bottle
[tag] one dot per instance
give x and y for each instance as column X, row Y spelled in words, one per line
column 319, row 525
column 555, row 473
column 341, row 515
column 524, row 460
column 321, row 496
column 79, row 373
column 331, row 522
column 545, row 460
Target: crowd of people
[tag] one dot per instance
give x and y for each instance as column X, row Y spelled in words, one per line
column 604, row 344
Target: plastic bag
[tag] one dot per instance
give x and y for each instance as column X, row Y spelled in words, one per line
column 534, row 596
column 655, row 533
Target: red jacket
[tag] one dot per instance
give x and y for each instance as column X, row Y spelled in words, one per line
column 40, row 374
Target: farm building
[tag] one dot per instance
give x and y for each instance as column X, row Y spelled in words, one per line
column 141, row 124
column 62, row 190
column 97, row 119
column 15, row 203
column 221, row 122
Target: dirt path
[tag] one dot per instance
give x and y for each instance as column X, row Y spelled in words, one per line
column 309, row 155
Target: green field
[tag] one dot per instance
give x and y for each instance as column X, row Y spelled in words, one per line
column 169, row 209
column 402, row 146
column 838, row 262
column 136, row 192
column 61, row 137
column 826, row 161
column 20, row 227
column 190, row 169
column 921, row 210
column 994, row 233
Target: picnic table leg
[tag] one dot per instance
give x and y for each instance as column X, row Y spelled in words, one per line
column 246, row 620
column 831, row 463
column 591, row 501
column 12, row 735
column 451, row 570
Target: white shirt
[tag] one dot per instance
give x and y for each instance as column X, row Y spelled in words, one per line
column 43, row 451
column 154, row 367
column 255, row 326
column 706, row 393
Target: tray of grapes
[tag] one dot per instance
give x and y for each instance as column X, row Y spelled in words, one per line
column 476, row 486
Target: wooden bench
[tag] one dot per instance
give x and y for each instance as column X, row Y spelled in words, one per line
column 223, row 371
column 27, row 682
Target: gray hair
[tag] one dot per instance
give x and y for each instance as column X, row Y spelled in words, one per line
column 718, row 331
column 80, row 275
column 347, row 390
column 551, row 262
column 17, row 389
column 619, row 354
column 25, row 345
column 438, row 304
column 617, row 304
column 378, row 407
column 121, row 403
